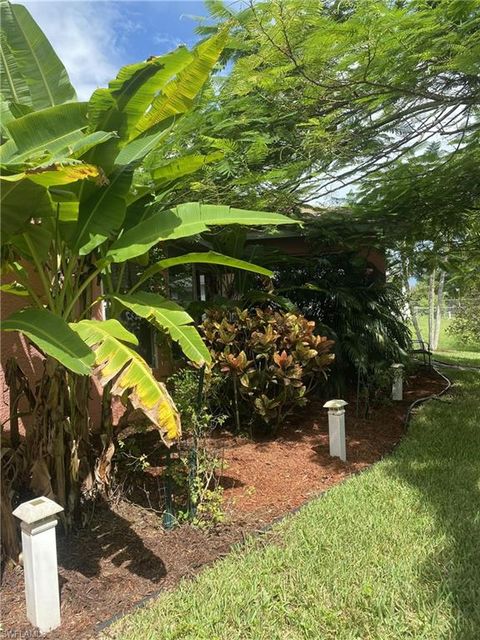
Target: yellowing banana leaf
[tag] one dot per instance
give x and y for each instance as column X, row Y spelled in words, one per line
column 171, row 317
column 53, row 336
column 117, row 362
column 56, row 174
column 185, row 220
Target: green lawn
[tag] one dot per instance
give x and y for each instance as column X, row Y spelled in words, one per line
column 467, row 358
column 447, row 341
column 391, row 553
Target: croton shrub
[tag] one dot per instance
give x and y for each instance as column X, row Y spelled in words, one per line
column 269, row 362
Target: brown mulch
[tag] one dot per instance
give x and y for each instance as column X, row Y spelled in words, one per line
column 126, row 555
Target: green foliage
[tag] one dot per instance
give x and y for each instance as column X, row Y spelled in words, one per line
column 197, row 495
column 82, row 191
column 53, row 336
column 322, row 94
column 32, row 74
column 352, row 304
column 270, row 361
column 466, row 323
column 190, row 389
column 168, row 316
column 71, row 173
column 429, row 201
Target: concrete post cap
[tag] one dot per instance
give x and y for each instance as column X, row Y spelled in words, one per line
column 335, row 404
column 37, row 509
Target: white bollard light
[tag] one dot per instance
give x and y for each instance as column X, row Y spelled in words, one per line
column 38, row 521
column 336, row 428
column 397, row 384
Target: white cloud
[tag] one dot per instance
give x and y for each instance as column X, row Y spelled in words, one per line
column 86, row 38
column 163, row 38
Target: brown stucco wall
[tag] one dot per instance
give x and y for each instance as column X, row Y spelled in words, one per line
column 13, row 344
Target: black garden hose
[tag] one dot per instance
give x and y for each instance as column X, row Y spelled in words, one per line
column 433, row 396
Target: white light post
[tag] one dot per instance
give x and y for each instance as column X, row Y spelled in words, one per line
column 336, row 428
column 397, row 384
column 38, row 521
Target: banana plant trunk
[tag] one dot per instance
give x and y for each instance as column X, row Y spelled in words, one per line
column 8, row 527
column 58, row 447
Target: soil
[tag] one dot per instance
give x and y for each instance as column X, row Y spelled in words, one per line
column 125, row 555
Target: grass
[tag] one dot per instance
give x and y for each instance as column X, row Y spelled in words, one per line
column 467, row 358
column 392, row 553
column 447, row 341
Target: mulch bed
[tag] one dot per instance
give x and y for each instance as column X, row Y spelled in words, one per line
column 126, row 555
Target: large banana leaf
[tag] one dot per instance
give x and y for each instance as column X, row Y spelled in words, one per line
column 88, row 141
column 44, row 134
column 182, row 221
column 100, row 216
column 37, row 235
column 35, row 59
column 53, row 336
column 136, row 85
column 21, row 201
column 171, row 317
column 178, row 95
column 12, row 83
column 137, row 149
column 174, row 99
column 130, row 94
column 202, row 257
column 115, row 361
column 127, row 99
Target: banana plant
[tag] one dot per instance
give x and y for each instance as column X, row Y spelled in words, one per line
column 82, row 196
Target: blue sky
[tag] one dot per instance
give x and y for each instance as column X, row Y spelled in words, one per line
column 94, row 39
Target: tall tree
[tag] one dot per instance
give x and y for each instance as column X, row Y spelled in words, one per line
column 321, row 94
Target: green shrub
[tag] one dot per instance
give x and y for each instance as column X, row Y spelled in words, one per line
column 351, row 303
column 466, row 324
column 269, row 360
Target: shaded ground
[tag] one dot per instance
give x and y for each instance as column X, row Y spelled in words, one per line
column 126, row 555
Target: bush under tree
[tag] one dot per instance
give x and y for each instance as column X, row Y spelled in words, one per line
column 270, row 361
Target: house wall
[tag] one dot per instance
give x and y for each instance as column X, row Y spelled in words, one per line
column 13, row 344
column 300, row 246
